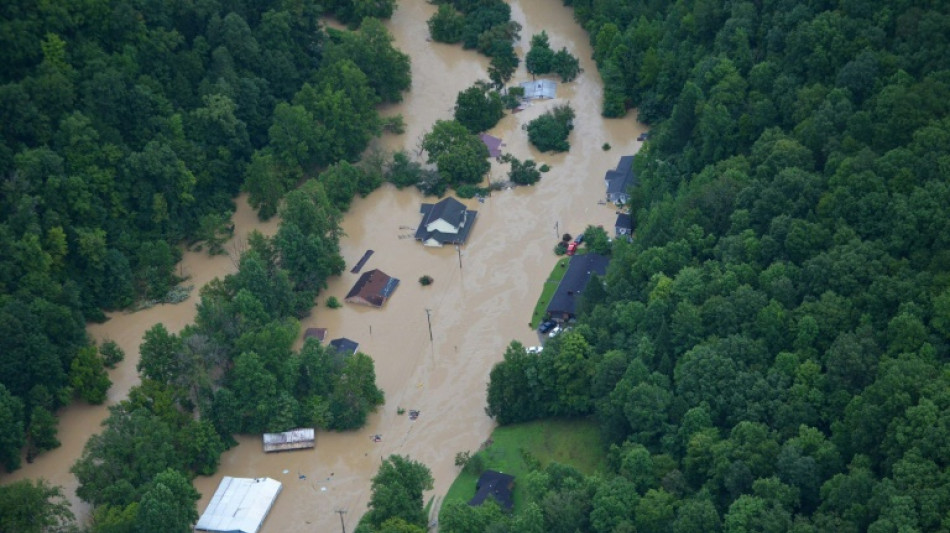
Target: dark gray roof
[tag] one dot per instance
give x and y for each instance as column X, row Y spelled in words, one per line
column 344, row 345
column 575, row 280
column 624, row 220
column 496, row 485
column 621, row 179
column 453, row 212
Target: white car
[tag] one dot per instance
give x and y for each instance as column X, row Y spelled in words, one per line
column 555, row 331
column 534, row 349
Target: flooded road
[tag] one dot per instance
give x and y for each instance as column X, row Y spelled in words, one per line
column 481, row 298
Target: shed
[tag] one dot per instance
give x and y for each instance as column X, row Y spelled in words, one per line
column 344, row 345
column 623, row 225
column 373, row 288
column 539, row 89
column 497, row 485
column 239, row 505
column 492, row 143
column 315, row 333
column 579, row 271
column 295, row 439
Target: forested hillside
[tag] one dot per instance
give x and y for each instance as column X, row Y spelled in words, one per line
column 126, row 128
column 770, row 353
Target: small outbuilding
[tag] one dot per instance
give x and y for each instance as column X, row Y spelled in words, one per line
column 315, row 333
column 624, row 225
column 240, row 505
column 373, row 288
column 496, row 485
column 344, row 346
column 620, row 180
column 536, row 89
column 445, row 222
column 579, row 271
column 295, row 439
column 492, row 143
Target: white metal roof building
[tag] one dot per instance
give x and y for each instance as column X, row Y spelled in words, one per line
column 294, row 439
column 539, row 89
column 239, row 505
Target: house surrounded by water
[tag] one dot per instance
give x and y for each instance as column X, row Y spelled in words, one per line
column 620, row 180
column 295, row 439
column 373, row 288
column 446, row 222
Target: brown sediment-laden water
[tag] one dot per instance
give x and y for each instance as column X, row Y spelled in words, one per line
column 482, row 297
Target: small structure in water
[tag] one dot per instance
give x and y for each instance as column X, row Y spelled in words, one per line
column 536, row 89
column 372, row 289
column 344, row 346
column 240, row 505
column 492, row 143
column 315, row 333
column 295, row 439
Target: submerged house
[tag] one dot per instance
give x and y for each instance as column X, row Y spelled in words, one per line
column 373, row 288
column 344, row 346
column 620, row 180
column 496, row 485
column 539, row 89
column 295, row 439
column 315, row 333
column 240, row 505
column 446, row 222
column 579, row 271
column 492, row 143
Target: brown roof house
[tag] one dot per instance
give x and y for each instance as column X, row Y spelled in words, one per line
column 446, row 222
column 373, row 288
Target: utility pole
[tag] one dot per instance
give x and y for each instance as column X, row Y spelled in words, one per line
column 429, row 319
column 459, row 250
column 557, row 233
column 341, row 512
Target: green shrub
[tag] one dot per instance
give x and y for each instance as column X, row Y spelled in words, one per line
column 333, row 303
column 426, row 280
column 111, row 353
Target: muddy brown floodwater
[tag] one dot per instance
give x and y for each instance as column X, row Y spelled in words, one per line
column 482, row 298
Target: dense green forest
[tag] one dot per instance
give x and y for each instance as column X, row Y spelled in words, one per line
column 770, row 352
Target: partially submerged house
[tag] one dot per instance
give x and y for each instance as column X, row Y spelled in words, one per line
column 620, row 180
column 495, row 485
column 624, row 225
column 344, row 346
column 579, row 271
column 373, row 288
column 492, row 143
column 240, row 505
column 315, row 333
column 536, row 89
column 445, row 222
column 295, row 439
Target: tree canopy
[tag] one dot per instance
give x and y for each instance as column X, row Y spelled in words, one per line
column 769, row 352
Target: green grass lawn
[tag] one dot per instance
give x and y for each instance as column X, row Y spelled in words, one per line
column 549, row 287
column 573, row 442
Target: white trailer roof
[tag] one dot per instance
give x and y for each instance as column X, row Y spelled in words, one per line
column 239, row 505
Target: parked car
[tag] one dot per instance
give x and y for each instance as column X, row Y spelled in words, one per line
column 643, row 136
column 572, row 248
column 546, row 326
column 579, row 239
column 535, row 349
column 555, row 331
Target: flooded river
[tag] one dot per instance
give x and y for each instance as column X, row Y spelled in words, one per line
column 481, row 299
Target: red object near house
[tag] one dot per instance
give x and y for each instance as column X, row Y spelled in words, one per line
column 571, row 248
